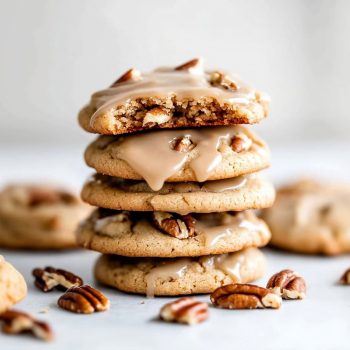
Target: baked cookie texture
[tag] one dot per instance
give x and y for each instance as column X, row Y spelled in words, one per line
column 39, row 217
column 137, row 234
column 311, row 217
column 176, row 181
column 183, row 96
column 106, row 152
column 179, row 276
column 236, row 194
column 13, row 287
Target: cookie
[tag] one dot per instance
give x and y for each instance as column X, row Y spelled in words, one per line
column 179, row 276
column 160, row 234
column 179, row 155
column 235, row 194
column 311, row 217
column 13, row 287
column 39, row 217
column 184, row 96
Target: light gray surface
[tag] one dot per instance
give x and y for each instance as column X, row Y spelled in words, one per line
column 321, row 321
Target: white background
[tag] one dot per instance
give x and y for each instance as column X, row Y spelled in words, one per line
column 54, row 54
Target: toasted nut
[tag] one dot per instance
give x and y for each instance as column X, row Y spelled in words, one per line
column 222, row 80
column 345, row 278
column 175, row 225
column 241, row 143
column 195, row 63
column 184, row 310
column 131, row 74
column 49, row 278
column 83, row 300
column 183, row 144
column 156, row 115
column 245, row 296
column 113, row 223
column 45, row 195
column 287, row 284
column 16, row 322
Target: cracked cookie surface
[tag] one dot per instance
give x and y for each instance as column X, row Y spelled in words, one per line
column 13, row 287
column 136, row 235
column 311, row 217
column 39, row 217
column 179, row 276
column 215, row 156
column 236, row 194
column 173, row 98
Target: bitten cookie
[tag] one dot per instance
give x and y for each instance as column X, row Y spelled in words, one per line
column 179, row 276
column 311, row 217
column 235, row 194
column 13, row 287
column 179, row 155
column 162, row 234
column 183, row 96
column 39, row 217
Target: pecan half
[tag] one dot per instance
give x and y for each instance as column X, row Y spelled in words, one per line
column 245, row 296
column 345, row 278
column 83, row 300
column 183, row 144
column 240, row 143
column 175, row 225
column 222, row 80
column 49, row 278
column 131, row 74
column 190, row 64
column 44, row 195
column 184, row 310
column 287, row 284
column 16, row 322
column 156, row 115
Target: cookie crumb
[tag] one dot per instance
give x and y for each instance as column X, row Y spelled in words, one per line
column 44, row 310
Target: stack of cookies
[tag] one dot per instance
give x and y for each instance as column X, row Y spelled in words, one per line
column 176, row 182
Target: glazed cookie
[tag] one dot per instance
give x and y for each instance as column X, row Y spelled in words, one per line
column 179, row 276
column 179, row 155
column 311, row 217
column 13, row 287
column 235, row 194
column 162, row 234
column 39, row 217
column 184, row 96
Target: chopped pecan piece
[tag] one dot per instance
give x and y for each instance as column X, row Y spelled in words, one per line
column 185, row 310
column 245, row 296
column 183, row 144
column 156, row 115
column 49, row 278
column 240, row 143
column 222, row 80
column 345, row 278
column 287, row 284
column 16, row 322
column 131, row 74
column 175, row 225
column 44, row 195
column 190, row 64
column 83, row 300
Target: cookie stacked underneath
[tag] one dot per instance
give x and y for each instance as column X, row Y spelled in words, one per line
column 176, row 181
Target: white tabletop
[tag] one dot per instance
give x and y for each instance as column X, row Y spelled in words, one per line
column 321, row 321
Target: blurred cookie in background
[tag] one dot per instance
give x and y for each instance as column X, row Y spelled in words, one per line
column 311, row 217
column 39, row 217
column 13, row 287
